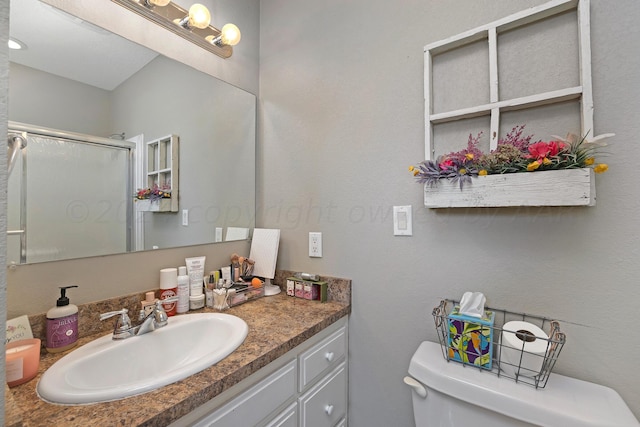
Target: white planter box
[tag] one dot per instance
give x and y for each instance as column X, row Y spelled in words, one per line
column 146, row 205
column 569, row 187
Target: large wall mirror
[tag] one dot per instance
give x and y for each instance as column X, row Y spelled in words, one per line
column 77, row 78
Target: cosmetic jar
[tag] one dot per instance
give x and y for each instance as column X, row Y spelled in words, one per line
column 196, row 302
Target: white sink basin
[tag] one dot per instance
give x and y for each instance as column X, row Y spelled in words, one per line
column 105, row 370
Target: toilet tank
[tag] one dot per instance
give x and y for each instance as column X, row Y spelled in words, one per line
column 459, row 396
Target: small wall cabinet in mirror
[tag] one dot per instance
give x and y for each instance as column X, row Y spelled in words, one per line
column 162, row 176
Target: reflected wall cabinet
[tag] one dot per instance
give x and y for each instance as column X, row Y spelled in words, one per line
column 162, row 174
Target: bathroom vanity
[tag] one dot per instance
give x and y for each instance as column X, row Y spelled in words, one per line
column 291, row 370
column 305, row 387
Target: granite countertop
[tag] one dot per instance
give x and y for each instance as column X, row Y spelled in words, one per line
column 276, row 325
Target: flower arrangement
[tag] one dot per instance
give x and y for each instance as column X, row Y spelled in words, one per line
column 154, row 194
column 514, row 153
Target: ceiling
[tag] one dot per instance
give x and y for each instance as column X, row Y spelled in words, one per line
column 67, row 46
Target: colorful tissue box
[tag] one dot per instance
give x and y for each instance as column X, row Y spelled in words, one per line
column 471, row 338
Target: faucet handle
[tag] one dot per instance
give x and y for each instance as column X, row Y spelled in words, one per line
column 122, row 324
column 160, row 314
column 159, row 302
column 110, row 314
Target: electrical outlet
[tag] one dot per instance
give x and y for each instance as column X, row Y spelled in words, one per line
column 185, row 217
column 315, row 244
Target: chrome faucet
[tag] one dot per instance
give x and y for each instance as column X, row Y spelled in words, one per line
column 123, row 328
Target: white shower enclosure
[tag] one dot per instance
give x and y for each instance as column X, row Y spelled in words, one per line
column 69, row 196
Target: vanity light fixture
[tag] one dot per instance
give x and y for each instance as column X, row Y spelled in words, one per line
column 193, row 25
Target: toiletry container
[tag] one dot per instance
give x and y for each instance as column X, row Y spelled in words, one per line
column 169, row 288
column 183, row 290
column 62, row 324
column 196, row 302
column 149, row 303
column 448, row 394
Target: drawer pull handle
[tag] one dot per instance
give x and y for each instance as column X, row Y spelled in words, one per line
column 328, row 410
column 329, row 356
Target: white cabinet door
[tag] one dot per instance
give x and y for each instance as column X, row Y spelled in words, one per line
column 249, row 408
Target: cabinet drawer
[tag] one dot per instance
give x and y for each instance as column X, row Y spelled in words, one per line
column 249, row 408
column 322, row 357
column 325, row 404
column 287, row 418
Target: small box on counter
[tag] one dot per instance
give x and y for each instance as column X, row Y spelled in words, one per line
column 307, row 289
column 470, row 338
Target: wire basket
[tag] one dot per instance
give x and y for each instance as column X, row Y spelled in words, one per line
column 485, row 349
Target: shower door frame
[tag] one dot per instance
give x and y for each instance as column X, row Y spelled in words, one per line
column 75, row 137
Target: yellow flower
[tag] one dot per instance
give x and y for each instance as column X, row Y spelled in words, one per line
column 462, row 171
column 589, row 161
column 546, row 161
column 416, row 172
column 601, row 168
column 411, row 168
column 482, row 172
column 469, row 156
column 533, row 166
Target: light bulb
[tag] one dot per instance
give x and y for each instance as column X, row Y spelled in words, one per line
column 159, row 2
column 15, row 44
column 230, row 35
column 199, row 16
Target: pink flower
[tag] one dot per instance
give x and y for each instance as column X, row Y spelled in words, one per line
column 446, row 164
column 555, row 147
column 538, row 151
column 541, row 150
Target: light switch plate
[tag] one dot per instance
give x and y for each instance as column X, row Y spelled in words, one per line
column 402, row 222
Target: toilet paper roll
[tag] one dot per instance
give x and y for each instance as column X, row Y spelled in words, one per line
column 522, row 350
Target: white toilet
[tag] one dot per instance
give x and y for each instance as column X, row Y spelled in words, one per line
column 448, row 394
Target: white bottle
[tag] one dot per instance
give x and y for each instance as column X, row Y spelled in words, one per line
column 183, row 290
column 62, row 324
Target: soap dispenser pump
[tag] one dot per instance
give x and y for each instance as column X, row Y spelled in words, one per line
column 62, row 324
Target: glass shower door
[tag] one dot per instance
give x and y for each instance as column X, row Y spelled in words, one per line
column 87, row 214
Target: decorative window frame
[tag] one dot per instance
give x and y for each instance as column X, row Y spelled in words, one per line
column 490, row 32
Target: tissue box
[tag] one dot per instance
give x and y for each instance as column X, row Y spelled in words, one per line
column 470, row 339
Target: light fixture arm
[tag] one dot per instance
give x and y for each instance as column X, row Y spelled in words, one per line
column 184, row 23
column 172, row 17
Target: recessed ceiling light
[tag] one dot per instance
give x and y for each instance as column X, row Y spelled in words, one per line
column 16, row 44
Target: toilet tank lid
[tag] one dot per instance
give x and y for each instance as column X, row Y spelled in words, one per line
column 564, row 401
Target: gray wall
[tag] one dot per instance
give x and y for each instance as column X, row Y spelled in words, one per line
column 44, row 99
column 341, row 94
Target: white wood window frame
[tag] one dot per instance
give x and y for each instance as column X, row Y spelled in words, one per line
column 490, row 32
